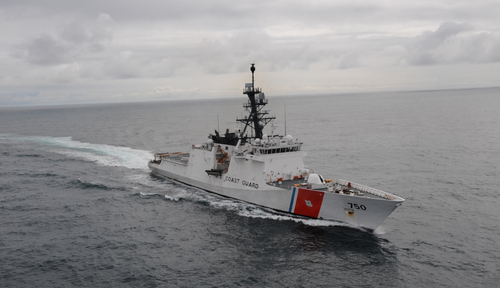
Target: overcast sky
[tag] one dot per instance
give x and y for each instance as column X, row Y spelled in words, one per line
column 62, row 52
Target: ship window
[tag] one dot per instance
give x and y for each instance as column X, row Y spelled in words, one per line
column 282, row 150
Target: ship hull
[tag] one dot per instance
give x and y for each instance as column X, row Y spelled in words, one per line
column 358, row 211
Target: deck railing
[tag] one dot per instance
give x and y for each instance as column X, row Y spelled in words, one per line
column 176, row 157
column 370, row 190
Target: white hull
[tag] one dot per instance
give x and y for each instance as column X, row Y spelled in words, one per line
column 332, row 206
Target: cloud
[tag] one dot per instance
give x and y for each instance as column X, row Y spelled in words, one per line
column 60, row 47
column 453, row 43
column 124, row 65
column 349, row 60
column 163, row 92
column 43, row 50
column 72, row 42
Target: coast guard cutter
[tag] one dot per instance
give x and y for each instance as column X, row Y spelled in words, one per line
column 268, row 170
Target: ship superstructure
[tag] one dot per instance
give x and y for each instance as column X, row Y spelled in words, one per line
column 268, row 170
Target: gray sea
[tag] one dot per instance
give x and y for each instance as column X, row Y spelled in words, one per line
column 78, row 206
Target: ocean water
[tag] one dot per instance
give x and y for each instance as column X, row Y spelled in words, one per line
column 78, row 206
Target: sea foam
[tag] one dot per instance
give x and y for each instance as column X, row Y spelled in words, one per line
column 102, row 154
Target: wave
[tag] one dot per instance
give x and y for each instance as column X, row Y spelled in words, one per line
column 102, row 154
column 253, row 211
column 158, row 187
column 148, row 194
column 84, row 184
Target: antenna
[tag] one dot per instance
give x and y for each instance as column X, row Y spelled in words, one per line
column 285, row 118
column 218, row 128
column 253, row 70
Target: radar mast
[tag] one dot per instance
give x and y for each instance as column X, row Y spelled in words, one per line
column 257, row 118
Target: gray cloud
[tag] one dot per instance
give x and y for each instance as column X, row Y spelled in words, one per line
column 72, row 41
column 43, row 50
column 453, row 43
column 348, row 61
column 320, row 46
column 221, row 14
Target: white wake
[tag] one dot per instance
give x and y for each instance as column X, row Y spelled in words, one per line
column 102, row 154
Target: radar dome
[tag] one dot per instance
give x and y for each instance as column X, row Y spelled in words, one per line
column 315, row 179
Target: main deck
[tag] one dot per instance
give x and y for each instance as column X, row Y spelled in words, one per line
column 175, row 157
column 340, row 187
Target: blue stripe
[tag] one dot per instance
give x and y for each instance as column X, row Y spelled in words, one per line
column 293, row 197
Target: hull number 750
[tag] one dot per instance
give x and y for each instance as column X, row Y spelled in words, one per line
column 362, row 207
